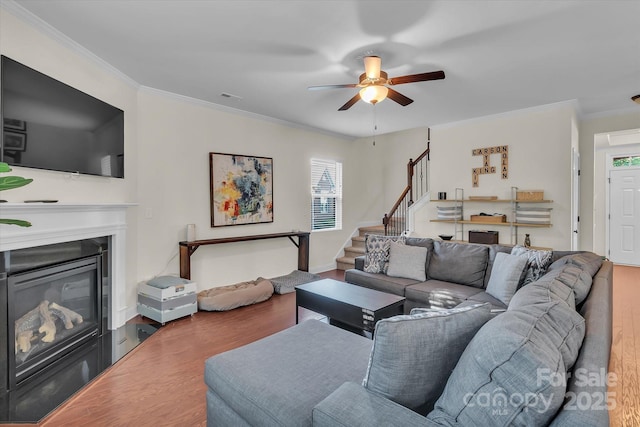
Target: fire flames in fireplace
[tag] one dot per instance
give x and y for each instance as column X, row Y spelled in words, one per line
column 40, row 326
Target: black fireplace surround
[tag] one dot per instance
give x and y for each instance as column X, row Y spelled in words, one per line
column 54, row 337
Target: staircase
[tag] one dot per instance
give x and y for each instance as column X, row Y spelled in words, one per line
column 395, row 222
column 357, row 247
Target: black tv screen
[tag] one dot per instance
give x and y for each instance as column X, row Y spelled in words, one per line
column 50, row 125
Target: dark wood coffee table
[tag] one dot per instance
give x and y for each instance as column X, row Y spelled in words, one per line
column 346, row 304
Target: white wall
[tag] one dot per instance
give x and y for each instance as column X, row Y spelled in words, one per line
column 167, row 141
column 383, row 169
column 593, row 176
column 539, row 143
column 32, row 47
column 175, row 139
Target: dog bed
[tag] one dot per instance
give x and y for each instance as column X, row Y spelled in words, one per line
column 229, row 297
column 287, row 283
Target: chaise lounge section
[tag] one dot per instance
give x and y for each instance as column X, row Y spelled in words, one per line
column 317, row 374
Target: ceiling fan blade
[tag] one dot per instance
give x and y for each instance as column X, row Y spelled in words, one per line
column 350, row 102
column 398, row 97
column 412, row 78
column 332, row 86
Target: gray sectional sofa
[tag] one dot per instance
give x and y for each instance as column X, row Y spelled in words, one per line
column 453, row 361
column 455, row 273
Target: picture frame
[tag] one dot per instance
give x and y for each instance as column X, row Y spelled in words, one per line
column 14, row 141
column 14, row 124
column 241, row 189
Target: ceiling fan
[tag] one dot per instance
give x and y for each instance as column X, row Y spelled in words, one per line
column 373, row 83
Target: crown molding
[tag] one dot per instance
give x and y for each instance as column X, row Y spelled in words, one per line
column 507, row 114
column 26, row 16
column 619, row 112
column 34, row 21
column 235, row 111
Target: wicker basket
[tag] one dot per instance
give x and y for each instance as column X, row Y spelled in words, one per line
column 530, row 195
column 488, row 218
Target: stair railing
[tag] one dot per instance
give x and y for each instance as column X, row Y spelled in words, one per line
column 395, row 222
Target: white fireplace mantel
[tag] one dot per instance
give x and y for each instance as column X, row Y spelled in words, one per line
column 62, row 222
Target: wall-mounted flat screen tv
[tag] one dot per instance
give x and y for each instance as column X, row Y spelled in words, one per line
column 47, row 124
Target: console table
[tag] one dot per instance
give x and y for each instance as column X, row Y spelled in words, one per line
column 188, row 248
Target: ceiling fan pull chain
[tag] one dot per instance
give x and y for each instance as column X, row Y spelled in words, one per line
column 375, row 123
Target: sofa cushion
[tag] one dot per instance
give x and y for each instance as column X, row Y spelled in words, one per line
column 377, row 252
column 413, row 355
column 458, row 263
column 577, row 279
column 538, row 262
column 587, row 261
column 546, row 289
column 407, row 261
column 439, row 294
column 508, row 373
column 496, row 305
column 276, row 381
column 379, row 282
column 505, row 276
column 593, row 360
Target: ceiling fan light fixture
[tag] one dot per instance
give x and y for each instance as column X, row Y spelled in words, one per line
column 372, row 67
column 373, row 94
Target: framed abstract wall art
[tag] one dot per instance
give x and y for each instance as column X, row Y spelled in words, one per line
column 241, row 189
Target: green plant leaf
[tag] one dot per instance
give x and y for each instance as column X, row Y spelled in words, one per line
column 10, row 182
column 4, row 167
column 18, row 222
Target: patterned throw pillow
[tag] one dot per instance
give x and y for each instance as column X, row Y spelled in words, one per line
column 538, row 261
column 376, row 259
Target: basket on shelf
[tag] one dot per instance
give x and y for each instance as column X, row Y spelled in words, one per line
column 533, row 215
column 450, row 212
column 488, row 218
column 529, row 195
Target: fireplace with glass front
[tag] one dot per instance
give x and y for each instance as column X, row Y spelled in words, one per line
column 54, row 300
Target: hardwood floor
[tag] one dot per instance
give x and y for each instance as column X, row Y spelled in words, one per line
column 161, row 383
column 625, row 349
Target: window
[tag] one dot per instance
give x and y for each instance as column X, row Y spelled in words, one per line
column 326, row 195
column 626, row 161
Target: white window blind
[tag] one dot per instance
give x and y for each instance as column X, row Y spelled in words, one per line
column 326, row 195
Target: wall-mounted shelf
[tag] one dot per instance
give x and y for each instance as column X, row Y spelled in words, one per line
column 492, row 201
column 513, row 202
column 517, row 224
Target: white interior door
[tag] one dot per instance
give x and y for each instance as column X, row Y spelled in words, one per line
column 575, row 200
column 624, row 216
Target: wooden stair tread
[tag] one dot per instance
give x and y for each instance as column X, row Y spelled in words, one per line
column 359, row 250
column 375, row 229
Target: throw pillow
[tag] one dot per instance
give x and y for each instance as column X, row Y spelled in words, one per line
column 407, row 261
column 413, row 355
column 376, row 259
column 505, row 276
column 508, row 373
column 538, row 262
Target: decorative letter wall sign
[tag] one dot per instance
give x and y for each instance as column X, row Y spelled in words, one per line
column 502, row 150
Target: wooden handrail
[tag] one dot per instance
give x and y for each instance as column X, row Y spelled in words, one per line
column 395, row 207
column 409, row 190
